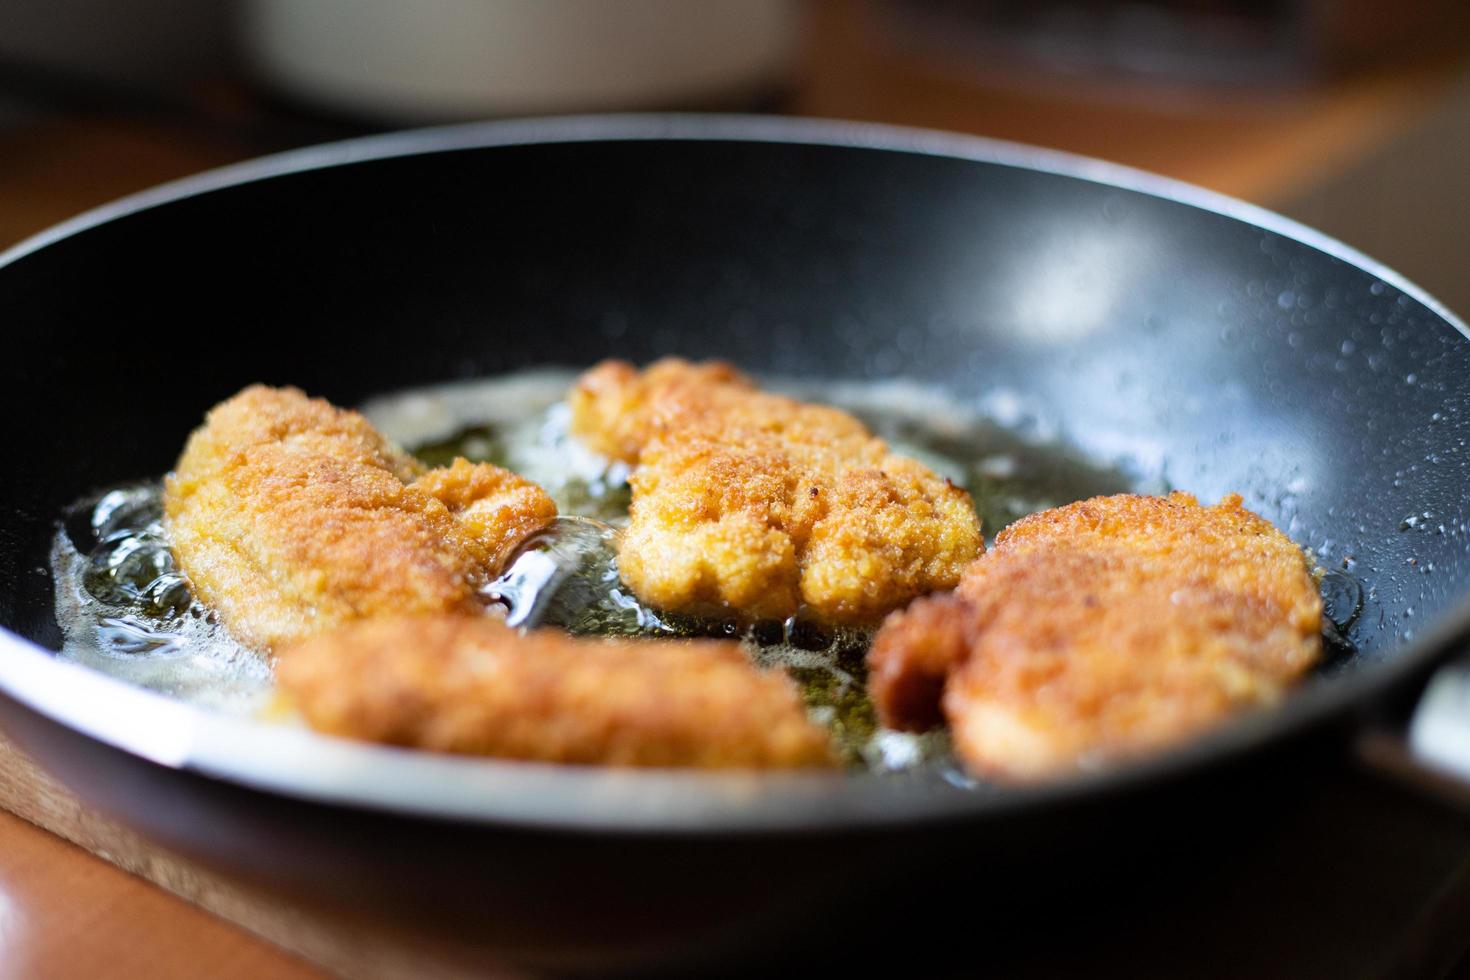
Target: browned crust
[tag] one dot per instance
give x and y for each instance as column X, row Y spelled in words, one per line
column 1103, row 629
column 759, row 506
column 291, row 516
column 912, row 657
column 471, row 685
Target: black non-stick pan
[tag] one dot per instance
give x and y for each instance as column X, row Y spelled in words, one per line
column 1216, row 345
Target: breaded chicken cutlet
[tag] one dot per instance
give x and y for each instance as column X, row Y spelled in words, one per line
column 1102, row 630
column 759, row 506
column 291, row 516
column 471, row 685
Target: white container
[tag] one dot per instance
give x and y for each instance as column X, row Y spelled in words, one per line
column 458, row 59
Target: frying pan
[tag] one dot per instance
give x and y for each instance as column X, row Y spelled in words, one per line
column 1194, row 338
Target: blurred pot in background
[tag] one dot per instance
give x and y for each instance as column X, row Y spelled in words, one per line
column 441, row 60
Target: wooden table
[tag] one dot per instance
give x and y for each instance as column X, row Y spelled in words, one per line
column 63, row 912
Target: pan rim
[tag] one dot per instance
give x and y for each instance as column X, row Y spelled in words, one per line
column 309, row 766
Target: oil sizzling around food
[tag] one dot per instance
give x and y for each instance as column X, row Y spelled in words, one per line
column 125, row 608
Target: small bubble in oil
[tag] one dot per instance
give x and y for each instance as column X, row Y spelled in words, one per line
column 804, row 635
column 768, row 632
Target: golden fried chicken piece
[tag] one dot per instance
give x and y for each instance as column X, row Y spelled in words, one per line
column 470, row 684
column 755, row 505
column 1100, row 630
column 291, row 517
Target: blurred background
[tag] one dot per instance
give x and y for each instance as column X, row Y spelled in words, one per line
column 1352, row 115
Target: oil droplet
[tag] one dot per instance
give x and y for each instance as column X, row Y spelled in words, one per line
column 1411, row 523
column 1342, row 599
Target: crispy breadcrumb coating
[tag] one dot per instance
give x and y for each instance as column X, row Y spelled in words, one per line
column 1104, row 629
column 759, row 506
column 291, row 517
column 469, row 684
